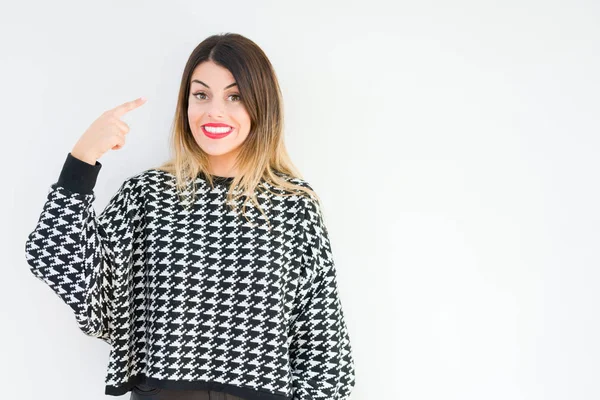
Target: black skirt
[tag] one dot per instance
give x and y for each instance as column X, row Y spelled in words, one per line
column 145, row 392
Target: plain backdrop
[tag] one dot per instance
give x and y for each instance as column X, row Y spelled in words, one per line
column 454, row 144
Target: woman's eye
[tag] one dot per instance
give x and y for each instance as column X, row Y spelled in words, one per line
column 204, row 94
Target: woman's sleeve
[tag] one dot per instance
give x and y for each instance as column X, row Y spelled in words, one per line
column 78, row 254
column 320, row 350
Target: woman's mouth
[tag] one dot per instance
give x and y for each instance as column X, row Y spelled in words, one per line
column 216, row 133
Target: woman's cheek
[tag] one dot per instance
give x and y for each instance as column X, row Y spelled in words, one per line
column 193, row 115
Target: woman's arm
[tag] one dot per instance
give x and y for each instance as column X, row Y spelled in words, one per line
column 77, row 253
column 320, row 350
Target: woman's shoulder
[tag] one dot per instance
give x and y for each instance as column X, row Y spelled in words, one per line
column 143, row 181
column 151, row 174
column 309, row 199
column 305, row 191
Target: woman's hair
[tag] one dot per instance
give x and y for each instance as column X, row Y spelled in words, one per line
column 263, row 155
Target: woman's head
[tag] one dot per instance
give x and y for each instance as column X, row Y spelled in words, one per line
column 218, row 120
column 218, row 61
column 228, row 79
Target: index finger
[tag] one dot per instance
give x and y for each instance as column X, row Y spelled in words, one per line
column 128, row 106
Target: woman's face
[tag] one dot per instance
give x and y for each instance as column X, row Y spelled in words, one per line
column 214, row 99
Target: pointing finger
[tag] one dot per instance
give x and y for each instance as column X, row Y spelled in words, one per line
column 128, row 106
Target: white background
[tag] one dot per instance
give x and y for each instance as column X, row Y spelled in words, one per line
column 454, row 144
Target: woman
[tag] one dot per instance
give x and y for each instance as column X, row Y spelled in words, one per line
column 211, row 276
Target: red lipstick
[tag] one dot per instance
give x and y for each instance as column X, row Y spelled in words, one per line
column 216, row 135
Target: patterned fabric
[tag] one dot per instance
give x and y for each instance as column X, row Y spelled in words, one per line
column 197, row 297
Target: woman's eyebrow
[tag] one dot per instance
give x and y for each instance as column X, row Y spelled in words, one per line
column 204, row 84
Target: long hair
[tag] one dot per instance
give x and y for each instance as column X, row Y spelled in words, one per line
column 263, row 155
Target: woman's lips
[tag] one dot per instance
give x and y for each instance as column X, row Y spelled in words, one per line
column 216, row 135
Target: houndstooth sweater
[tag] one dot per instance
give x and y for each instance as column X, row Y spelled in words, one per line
column 197, row 298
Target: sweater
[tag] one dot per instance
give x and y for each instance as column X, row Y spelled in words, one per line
column 197, row 298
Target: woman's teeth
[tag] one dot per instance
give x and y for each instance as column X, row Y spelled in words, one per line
column 217, row 130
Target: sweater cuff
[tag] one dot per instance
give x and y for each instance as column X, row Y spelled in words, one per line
column 78, row 176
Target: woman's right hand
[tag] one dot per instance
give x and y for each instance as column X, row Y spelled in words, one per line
column 107, row 132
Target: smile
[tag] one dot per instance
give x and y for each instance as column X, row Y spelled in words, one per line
column 216, row 133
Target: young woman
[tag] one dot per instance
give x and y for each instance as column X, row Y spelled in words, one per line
column 211, row 276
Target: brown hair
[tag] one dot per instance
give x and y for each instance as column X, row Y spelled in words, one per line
column 263, row 155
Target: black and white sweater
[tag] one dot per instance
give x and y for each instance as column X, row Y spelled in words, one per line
column 197, row 298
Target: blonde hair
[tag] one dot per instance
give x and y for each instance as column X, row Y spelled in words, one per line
column 263, row 155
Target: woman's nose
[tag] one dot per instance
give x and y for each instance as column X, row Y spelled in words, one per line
column 216, row 109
